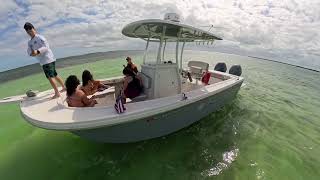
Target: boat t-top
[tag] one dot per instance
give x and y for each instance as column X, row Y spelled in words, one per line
column 173, row 98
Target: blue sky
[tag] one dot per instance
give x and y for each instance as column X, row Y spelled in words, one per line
column 286, row 30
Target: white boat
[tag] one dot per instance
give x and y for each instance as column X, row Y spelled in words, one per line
column 170, row 100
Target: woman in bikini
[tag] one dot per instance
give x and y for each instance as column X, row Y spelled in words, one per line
column 76, row 97
column 89, row 85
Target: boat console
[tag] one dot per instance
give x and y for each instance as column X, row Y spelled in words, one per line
column 165, row 80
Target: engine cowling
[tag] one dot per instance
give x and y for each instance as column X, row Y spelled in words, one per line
column 235, row 70
column 221, row 66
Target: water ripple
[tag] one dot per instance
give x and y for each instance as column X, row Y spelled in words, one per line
column 227, row 158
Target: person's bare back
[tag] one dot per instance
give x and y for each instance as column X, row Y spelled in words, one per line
column 79, row 99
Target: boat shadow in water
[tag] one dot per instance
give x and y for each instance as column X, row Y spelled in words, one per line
column 196, row 152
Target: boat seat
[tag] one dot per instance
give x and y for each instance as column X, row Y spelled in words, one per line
column 196, row 68
column 141, row 97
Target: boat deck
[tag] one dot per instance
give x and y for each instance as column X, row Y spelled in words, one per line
column 187, row 86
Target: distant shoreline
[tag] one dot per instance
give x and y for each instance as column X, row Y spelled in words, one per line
column 31, row 69
column 285, row 63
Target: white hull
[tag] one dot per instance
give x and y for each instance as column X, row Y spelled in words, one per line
column 161, row 124
column 142, row 120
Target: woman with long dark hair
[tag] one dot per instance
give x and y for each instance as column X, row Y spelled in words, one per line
column 89, row 85
column 76, row 97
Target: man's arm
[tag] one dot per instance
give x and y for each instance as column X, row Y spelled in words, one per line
column 29, row 51
column 44, row 45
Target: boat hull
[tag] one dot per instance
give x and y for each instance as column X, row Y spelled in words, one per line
column 161, row 124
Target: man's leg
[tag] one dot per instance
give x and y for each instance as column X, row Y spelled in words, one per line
column 50, row 72
column 56, row 77
column 53, row 84
column 60, row 81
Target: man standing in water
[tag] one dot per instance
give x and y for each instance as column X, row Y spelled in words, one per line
column 38, row 47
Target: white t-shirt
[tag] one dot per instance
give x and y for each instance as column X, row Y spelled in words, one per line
column 40, row 43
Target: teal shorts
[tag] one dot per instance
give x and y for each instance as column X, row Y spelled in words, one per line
column 50, row 70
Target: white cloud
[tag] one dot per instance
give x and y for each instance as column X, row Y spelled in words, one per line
column 6, row 10
column 7, row 7
column 280, row 28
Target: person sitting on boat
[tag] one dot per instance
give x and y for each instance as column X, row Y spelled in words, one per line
column 76, row 97
column 206, row 77
column 132, row 85
column 89, row 85
column 131, row 65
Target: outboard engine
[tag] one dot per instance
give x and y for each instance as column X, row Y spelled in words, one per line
column 221, row 66
column 235, row 70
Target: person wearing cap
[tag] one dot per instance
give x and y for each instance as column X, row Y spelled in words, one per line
column 131, row 66
column 38, row 47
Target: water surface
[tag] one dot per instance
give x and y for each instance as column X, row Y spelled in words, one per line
column 270, row 131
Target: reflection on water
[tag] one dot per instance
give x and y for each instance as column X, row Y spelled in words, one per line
column 227, row 159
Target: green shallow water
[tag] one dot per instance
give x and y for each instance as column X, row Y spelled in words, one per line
column 270, row 131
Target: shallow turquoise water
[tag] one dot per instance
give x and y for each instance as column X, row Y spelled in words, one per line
column 270, row 131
